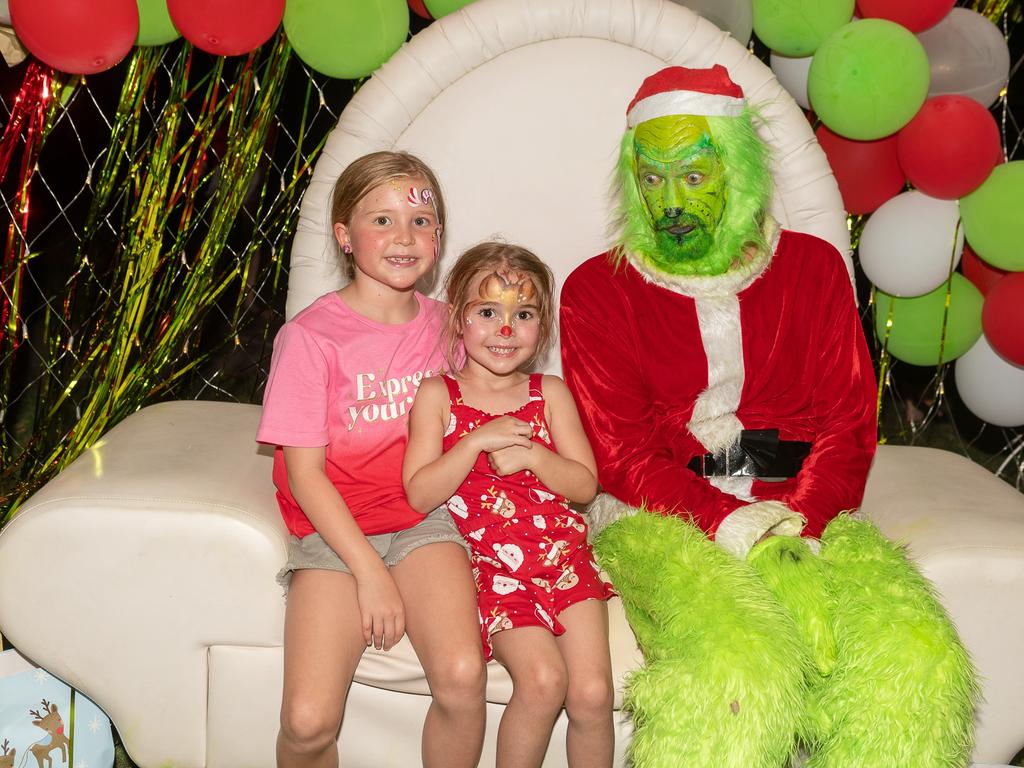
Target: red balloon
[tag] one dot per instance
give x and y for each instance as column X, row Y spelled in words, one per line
column 226, row 27
column 1002, row 317
column 76, row 37
column 915, row 15
column 868, row 172
column 980, row 272
column 950, row 146
column 420, row 9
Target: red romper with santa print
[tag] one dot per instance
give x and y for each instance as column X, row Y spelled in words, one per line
column 531, row 559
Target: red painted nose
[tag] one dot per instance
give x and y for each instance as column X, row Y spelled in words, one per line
column 506, row 331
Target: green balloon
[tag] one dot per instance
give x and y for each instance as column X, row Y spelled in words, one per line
column 798, row 27
column 993, row 224
column 346, row 38
column 868, row 79
column 439, row 8
column 916, row 331
column 155, row 25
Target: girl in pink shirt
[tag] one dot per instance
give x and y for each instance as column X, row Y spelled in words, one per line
column 364, row 567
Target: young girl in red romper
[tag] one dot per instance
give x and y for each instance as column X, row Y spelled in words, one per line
column 485, row 440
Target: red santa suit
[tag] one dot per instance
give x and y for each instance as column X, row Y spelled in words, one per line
column 665, row 372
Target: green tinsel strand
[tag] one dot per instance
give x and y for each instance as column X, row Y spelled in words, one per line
column 154, row 306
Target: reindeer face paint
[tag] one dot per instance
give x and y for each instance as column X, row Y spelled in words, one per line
column 508, row 294
column 501, row 327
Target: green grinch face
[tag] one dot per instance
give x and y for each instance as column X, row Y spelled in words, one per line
column 681, row 179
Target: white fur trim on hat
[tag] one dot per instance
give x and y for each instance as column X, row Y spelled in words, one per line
column 684, row 103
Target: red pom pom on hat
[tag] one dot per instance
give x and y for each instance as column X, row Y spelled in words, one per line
column 684, row 91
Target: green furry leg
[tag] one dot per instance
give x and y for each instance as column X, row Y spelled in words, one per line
column 726, row 676
column 800, row 581
column 903, row 691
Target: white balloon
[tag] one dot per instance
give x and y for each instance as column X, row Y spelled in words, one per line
column 791, row 72
column 907, row 246
column 990, row 387
column 967, row 55
column 734, row 16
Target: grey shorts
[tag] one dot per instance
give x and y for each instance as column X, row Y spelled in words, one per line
column 313, row 552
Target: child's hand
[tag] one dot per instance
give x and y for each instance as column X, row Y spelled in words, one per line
column 501, row 433
column 508, row 461
column 381, row 609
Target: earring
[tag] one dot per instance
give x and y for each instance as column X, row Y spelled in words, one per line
column 346, row 248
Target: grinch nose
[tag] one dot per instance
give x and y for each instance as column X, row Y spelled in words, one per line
column 505, row 331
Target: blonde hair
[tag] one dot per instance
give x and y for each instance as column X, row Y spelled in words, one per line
column 369, row 172
column 493, row 257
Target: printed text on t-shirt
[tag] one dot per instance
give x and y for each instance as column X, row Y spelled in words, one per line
column 398, row 392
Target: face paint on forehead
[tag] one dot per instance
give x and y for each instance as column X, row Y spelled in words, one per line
column 507, row 287
column 417, row 196
column 425, row 196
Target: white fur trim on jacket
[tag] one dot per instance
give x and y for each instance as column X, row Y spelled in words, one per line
column 741, row 530
column 605, row 510
column 732, row 282
column 714, row 420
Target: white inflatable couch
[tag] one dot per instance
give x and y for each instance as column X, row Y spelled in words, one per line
column 161, row 543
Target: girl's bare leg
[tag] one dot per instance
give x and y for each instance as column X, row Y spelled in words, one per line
column 539, row 683
column 323, row 642
column 442, row 622
column 590, row 740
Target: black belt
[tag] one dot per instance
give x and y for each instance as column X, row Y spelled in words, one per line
column 758, row 453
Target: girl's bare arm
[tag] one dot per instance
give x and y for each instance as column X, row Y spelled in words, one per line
column 432, row 476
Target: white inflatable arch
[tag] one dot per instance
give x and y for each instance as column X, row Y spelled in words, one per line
column 519, row 106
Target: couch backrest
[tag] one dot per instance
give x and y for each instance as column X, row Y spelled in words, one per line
column 519, row 106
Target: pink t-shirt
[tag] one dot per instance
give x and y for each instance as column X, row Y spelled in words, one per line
column 343, row 381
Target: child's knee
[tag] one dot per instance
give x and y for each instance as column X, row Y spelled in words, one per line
column 461, row 678
column 308, row 728
column 590, row 697
column 544, row 684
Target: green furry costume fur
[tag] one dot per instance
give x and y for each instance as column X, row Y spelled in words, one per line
column 846, row 656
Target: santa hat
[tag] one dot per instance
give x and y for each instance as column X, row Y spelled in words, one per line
column 683, row 91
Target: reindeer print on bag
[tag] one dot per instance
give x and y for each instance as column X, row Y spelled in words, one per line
column 50, row 721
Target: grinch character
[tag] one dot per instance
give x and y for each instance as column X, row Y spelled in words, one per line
column 725, row 384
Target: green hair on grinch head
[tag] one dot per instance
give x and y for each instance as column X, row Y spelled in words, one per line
column 748, row 187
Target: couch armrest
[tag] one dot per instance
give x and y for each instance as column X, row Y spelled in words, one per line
column 160, row 541
column 965, row 528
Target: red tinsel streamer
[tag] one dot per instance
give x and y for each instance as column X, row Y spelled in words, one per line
column 28, row 120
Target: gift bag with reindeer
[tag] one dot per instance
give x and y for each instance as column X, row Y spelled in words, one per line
column 46, row 724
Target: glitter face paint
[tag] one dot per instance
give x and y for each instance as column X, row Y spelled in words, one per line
column 511, row 292
column 501, row 327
